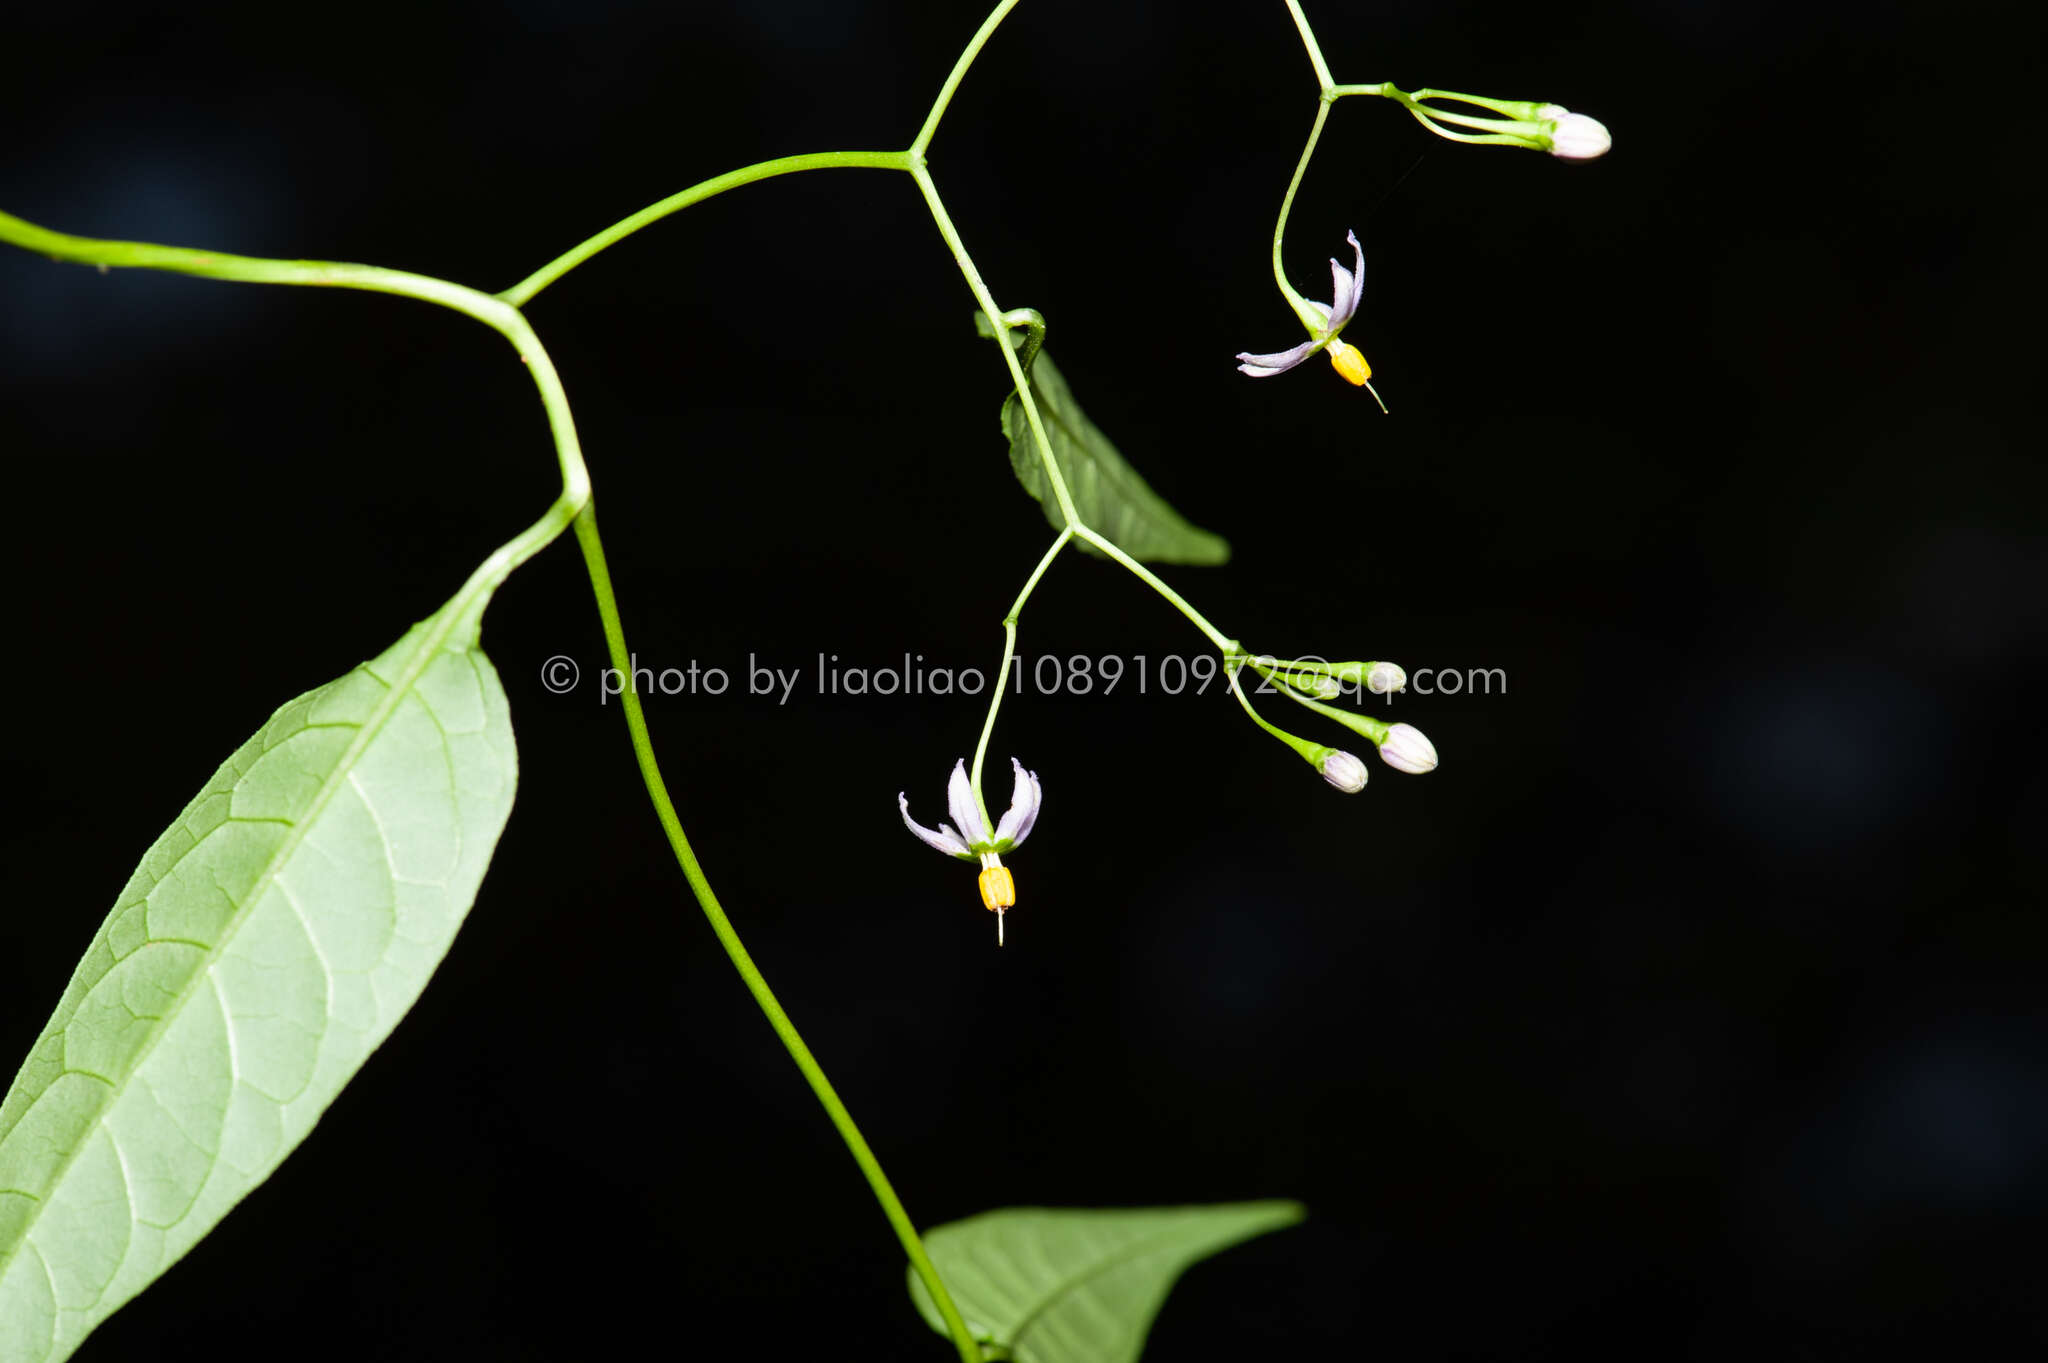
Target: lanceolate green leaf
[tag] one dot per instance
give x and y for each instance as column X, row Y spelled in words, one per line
column 1054, row 1285
column 269, row 941
column 1107, row 491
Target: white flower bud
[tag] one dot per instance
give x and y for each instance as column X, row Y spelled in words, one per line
column 1405, row 749
column 1344, row 771
column 1576, row 137
column 1385, row 678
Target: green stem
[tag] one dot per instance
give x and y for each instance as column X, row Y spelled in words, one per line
column 1513, row 108
column 995, row 701
column 495, row 313
column 686, row 857
column 1313, row 752
column 1362, row 724
column 1308, row 40
column 522, row 293
column 954, row 77
column 1223, row 642
column 997, row 329
column 1517, row 129
column 1428, row 121
column 1315, row 133
column 1287, row 676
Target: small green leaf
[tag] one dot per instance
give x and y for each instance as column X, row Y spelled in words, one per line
column 270, row 940
column 1055, row 1285
column 1107, row 491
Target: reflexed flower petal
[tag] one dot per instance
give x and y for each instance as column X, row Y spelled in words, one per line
column 1025, row 795
column 960, row 799
column 1343, row 302
column 1324, row 319
column 1279, row 362
column 1345, row 306
column 942, row 838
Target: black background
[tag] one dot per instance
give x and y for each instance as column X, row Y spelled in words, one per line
column 1692, row 1007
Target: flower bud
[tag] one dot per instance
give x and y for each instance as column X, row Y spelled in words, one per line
column 1344, row 771
column 1385, row 678
column 1574, row 137
column 1405, row 749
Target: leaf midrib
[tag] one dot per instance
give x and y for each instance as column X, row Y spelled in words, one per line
column 430, row 646
column 1104, row 474
column 1140, row 1248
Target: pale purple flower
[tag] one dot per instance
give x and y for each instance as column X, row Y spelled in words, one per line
column 1346, row 286
column 974, row 840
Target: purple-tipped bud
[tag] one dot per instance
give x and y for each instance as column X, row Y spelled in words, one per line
column 1385, row 678
column 1405, row 749
column 1344, row 771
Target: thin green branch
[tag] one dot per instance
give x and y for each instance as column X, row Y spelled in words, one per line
column 1520, row 127
column 1513, row 108
column 714, row 913
column 492, row 312
column 1308, row 40
column 1315, row 133
column 1374, row 729
column 1313, row 752
column 996, row 327
column 954, row 77
column 1429, row 122
column 995, row 700
column 1224, row 643
column 1284, row 675
column 520, row 294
